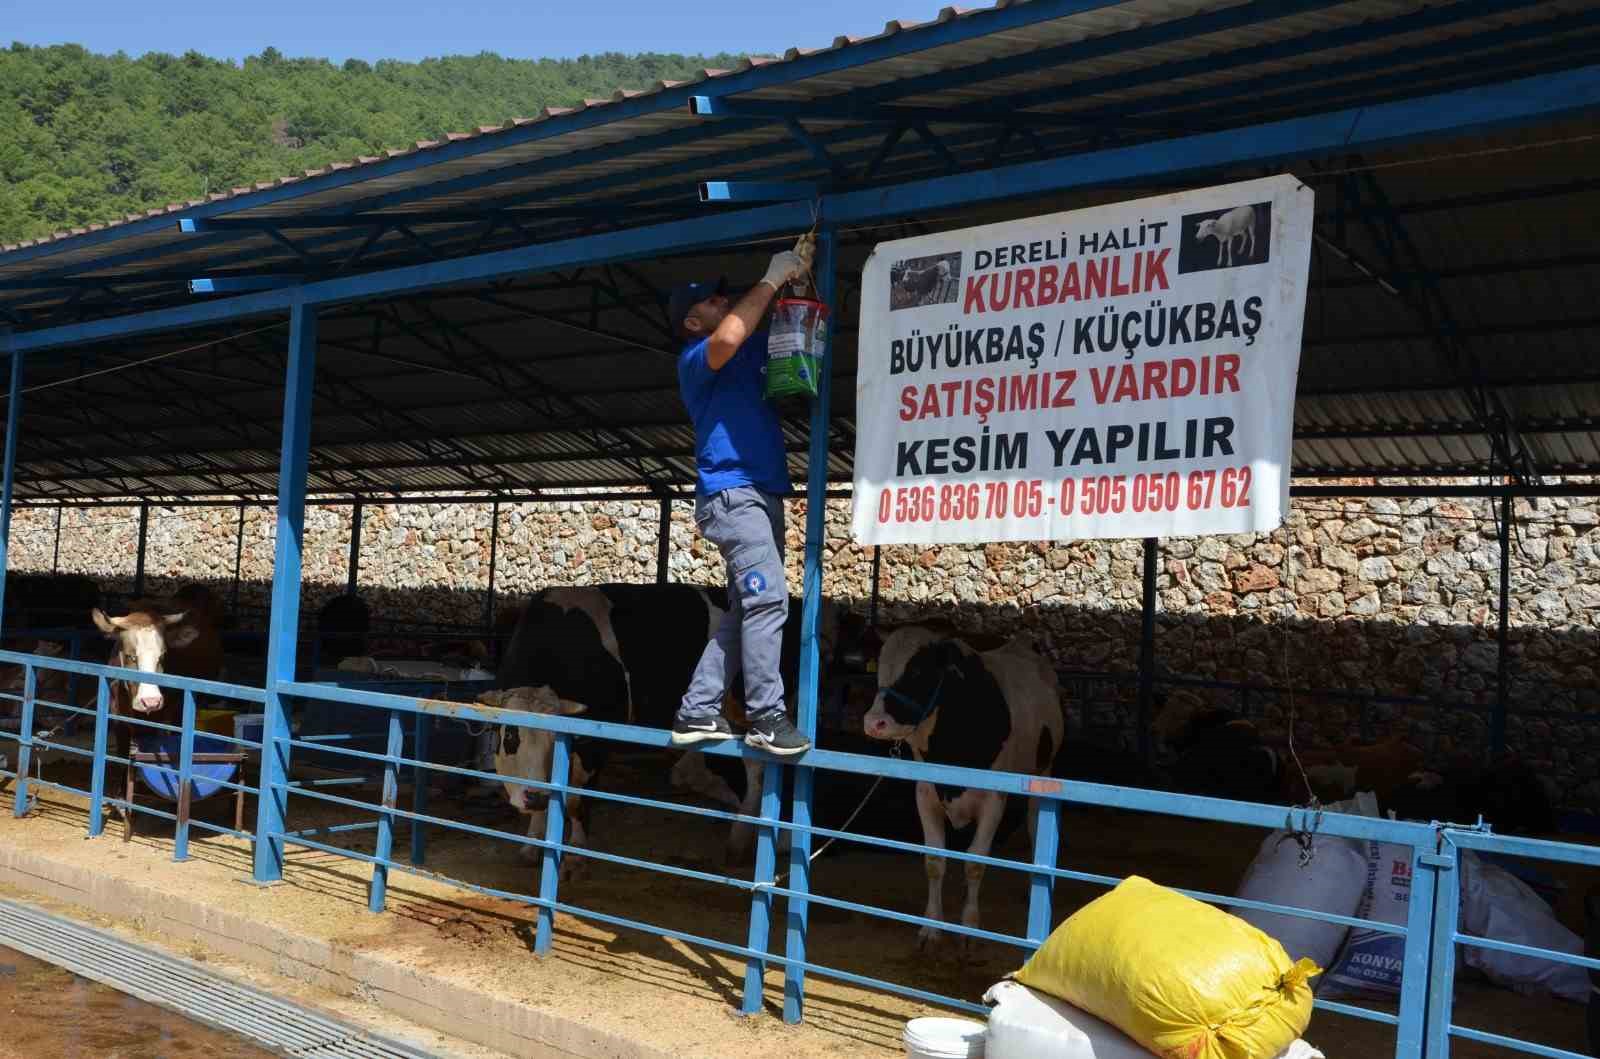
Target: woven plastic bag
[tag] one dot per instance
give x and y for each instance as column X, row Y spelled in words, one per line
column 1183, row 979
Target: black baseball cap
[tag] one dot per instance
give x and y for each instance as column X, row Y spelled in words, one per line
column 687, row 295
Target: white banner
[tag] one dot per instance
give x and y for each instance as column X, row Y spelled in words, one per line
column 1122, row 371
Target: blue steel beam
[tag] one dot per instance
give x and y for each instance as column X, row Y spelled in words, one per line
column 1249, row 89
column 1273, row 51
column 843, row 109
column 284, row 622
column 8, row 480
column 1546, row 97
column 1538, row 58
column 757, row 191
column 239, row 284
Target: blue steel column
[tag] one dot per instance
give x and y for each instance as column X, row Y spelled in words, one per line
column 383, row 849
column 1414, row 977
column 19, row 802
column 180, row 837
column 1442, row 965
column 555, row 833
column 144, row 539
column 1046, row 851
column 494, row 558
column 794, row 979
column 1497, row 720
column 238, row 565
column 755, row 967
column 284, row 622
column 13, row 427
column 354, row 565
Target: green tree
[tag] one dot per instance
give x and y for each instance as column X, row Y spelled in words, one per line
column 88, row 138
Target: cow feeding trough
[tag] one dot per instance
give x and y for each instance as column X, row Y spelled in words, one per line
column 405, row 333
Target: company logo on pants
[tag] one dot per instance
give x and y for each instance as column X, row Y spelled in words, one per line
column 754, row 583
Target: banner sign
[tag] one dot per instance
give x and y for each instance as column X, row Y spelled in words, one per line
column 1122, row 371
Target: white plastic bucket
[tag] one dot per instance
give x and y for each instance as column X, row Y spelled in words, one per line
column 944, row 1038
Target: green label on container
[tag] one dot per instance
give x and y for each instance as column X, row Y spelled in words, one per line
column 794, row 375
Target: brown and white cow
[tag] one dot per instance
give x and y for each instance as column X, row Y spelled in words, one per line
column 952, row 705
column 525, row 753
column 155, row 638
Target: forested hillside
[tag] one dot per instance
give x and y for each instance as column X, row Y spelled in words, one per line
column 87, row 138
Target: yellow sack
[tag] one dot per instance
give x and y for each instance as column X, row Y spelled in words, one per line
column 1183, row 979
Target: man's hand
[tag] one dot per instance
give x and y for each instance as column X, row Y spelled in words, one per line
column 784, row 267
column 742, row 319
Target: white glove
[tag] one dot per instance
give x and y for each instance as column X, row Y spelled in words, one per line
column 784, row 267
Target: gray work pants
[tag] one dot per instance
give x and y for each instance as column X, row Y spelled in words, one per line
column 746, row 525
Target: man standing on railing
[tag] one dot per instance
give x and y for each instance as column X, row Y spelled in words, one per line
column 743, row 476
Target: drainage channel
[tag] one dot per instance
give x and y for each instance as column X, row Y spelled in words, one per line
column 190, row 990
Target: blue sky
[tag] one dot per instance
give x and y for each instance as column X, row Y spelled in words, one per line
column 410, row 29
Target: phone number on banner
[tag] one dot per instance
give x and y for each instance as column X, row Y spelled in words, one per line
column 1107, row 494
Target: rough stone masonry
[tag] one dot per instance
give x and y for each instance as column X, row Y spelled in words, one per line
column 1385, row 597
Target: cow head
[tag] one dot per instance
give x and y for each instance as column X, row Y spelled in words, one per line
column 525, row 752
column 142, row 638
column 917, row 670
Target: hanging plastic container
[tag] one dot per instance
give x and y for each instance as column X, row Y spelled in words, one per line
column 796, row 345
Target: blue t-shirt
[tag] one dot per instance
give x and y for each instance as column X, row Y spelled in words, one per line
column 737, row 439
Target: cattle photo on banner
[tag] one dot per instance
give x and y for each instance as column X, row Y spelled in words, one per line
column 1122, row 371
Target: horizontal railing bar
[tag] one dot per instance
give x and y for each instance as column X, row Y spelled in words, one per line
column 82, row 711
column 170, row 771
column 1526, row 1047
column 331, row 829
column 247, row 744
column 172, row 818
column 438, row 821
column 1355, row 1012
column 1531, row 848
column 900, row 917
column 63, row 747
column 1472, row 941
column 213, row 688
column 364, row 755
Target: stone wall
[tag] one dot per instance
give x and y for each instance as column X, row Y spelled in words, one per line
column 1378, row 597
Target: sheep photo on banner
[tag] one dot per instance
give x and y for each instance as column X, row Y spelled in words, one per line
column 1122, row 371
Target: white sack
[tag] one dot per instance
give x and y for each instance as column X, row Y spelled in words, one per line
column 1024, row 1024
column 1334, row 882
column 1496, row 904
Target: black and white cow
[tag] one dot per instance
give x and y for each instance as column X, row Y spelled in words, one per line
column 952, row 705
column 626, row 652
column 526, row 752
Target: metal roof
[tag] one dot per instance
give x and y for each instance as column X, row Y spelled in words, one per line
column 1448, row 330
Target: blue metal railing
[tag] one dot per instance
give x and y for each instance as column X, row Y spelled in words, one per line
column 1442, row 1028
column 28, row 742
column 1422, row 1023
